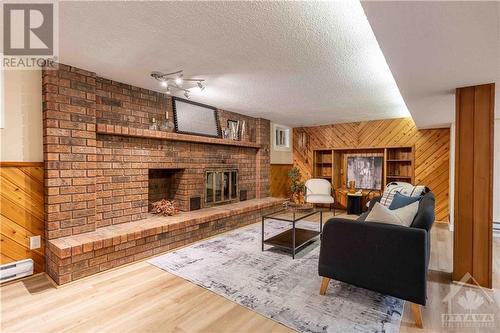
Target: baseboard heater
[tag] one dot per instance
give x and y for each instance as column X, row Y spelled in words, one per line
column 16, row 270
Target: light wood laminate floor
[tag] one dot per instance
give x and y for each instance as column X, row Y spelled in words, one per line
column 143, row 298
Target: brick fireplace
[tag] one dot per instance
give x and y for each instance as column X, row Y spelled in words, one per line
column 104, row 167
column 166, row 184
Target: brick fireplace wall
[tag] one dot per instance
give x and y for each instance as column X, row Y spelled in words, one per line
column 96, row 180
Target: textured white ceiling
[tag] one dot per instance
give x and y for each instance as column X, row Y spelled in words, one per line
column 296, row 63
column 434, row 47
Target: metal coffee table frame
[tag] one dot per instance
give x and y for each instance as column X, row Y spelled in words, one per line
column 293, row 239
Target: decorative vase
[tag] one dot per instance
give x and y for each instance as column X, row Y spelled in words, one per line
column 352, row 186
column 167, row 125
column 226, row 133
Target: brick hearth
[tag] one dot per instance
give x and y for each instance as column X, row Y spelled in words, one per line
column 74, row 257
column 98, row 152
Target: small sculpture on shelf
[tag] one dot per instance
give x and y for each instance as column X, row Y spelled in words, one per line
column 154, row 124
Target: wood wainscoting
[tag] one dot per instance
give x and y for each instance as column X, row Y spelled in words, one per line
column 22, row 212
column 279, row 182
column 431, row 152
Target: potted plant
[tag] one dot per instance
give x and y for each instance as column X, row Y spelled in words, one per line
column 297, row 186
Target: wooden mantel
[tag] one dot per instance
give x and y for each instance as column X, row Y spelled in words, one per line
column 161, row 135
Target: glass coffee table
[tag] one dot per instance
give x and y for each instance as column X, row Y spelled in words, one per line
column 293, row 239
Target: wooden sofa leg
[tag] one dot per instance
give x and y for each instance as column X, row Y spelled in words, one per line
column 417, row 314
column 324, row 285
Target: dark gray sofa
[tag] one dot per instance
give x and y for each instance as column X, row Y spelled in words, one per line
column 389, row 259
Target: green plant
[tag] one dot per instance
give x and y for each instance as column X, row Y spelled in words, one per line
column 297, row 186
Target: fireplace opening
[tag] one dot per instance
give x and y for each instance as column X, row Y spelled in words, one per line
column 221, row 186
column 164, row 184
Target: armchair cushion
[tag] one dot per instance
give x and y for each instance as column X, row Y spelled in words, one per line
column 319, row 198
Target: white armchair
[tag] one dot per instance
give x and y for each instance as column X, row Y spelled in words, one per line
column 319, row 191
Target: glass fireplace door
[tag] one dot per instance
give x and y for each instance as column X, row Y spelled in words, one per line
column 221, row 186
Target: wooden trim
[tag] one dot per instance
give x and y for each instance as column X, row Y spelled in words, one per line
column 170, row 136
column 21, row 164
column 417, row 314
column 324, row 285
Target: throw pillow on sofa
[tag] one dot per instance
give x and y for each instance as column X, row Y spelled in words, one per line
column 404, row 188
column 402, row 216
column 401, row 200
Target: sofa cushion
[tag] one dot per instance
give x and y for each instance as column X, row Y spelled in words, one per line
column 401, row 200
column 404, row 188
column 402, row 216
column 425, row 215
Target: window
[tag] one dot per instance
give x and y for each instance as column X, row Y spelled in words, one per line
column 281, row 138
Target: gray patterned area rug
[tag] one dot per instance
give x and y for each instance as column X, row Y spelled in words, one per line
column 285, row 290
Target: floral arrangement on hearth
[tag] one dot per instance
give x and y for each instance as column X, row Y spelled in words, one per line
column 164, row 207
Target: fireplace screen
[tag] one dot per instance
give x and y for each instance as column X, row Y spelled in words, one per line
column 221, row 186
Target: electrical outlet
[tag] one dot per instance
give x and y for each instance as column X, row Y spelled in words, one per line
column 35, row 242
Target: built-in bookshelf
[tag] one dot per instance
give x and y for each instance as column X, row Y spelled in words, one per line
column 399, row 164
column 330, row 164
column 323, row 164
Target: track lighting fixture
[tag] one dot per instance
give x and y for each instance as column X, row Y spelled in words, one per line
column 176, row 80
column 179, row 80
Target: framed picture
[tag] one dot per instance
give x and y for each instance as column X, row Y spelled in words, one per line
column 195, row 118
column 366, row 171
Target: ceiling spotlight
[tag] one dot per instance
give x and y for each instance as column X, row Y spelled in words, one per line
column 178, row 80
column 175, row 82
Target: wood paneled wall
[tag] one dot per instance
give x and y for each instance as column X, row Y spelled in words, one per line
column 22, row 212
column 472, row 246
column 279, row 182
column 431, row 149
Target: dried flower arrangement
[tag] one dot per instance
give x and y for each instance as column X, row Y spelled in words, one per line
column 164, row 207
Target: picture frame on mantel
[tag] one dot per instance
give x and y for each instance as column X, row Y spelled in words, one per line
column 195, row 118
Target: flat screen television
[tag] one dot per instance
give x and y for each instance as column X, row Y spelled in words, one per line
column 366, row 171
